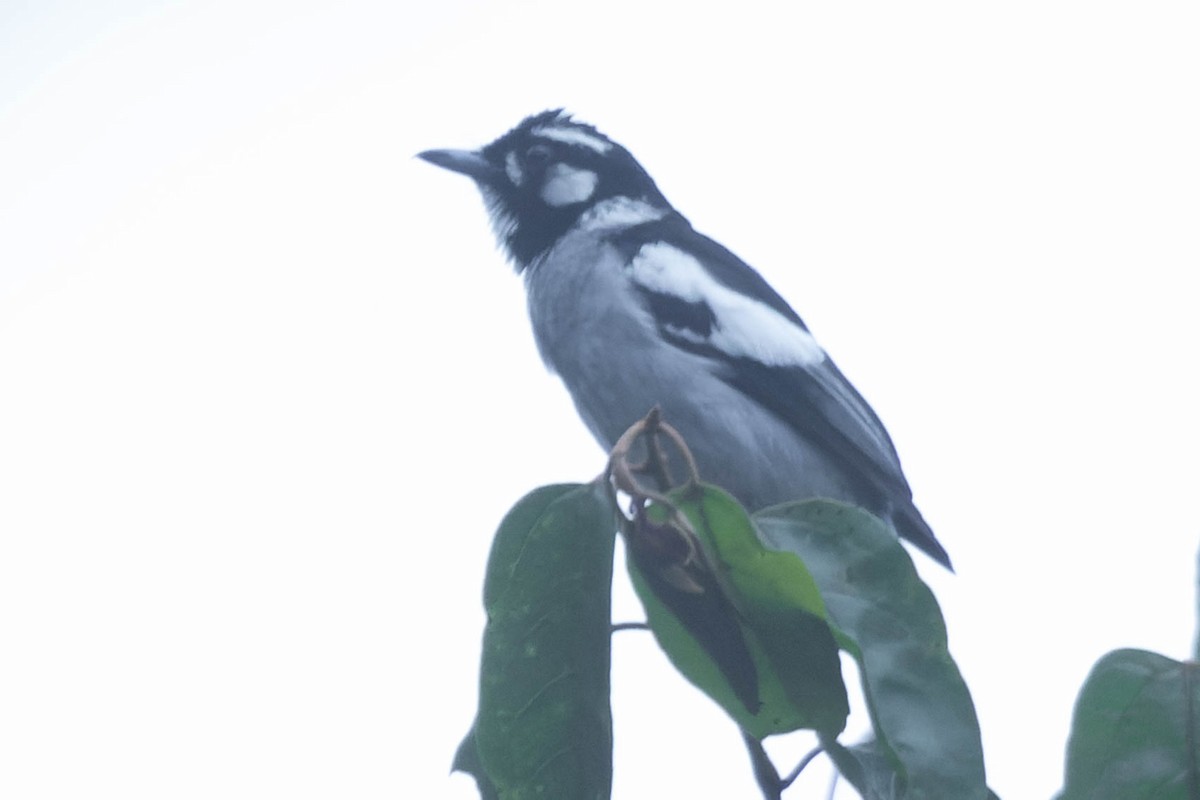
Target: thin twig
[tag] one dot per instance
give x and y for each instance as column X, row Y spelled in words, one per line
column 656, row 466
column 629, row 626
column 623, row 478
column 804, row 762
column 677, row 439
column 764, row 771
column 650, row 427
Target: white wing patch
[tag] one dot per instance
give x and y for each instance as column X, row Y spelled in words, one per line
column 565, row 185
column 574, row 136
column 743, row 326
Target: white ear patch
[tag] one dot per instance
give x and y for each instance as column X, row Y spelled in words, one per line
column 564, row 185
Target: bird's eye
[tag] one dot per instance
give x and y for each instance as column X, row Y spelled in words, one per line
column 537, row 155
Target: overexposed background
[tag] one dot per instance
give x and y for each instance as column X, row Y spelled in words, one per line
column 266, row 387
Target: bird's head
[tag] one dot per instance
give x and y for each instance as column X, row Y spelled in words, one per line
column 542, row 177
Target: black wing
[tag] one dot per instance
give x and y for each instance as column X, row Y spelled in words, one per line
column 761, row 346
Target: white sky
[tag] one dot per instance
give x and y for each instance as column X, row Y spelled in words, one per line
column 266, row 388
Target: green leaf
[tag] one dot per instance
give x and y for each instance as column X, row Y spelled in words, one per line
column 1196, row 643
column 466, row 760
column 749, row 628
column 1136, row 730
column 868, row 768
column 885, row 616
column 698, row 627
column 544, row 727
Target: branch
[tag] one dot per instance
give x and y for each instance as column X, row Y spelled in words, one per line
column 804, row 762
column 764, row 770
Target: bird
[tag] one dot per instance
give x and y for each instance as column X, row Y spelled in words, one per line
column 634, row 309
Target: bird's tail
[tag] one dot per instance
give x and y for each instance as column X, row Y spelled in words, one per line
column 913, row 527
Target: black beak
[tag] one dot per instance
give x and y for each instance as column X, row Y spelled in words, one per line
column 468, row 162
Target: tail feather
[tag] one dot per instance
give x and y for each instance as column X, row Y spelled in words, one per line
column 913, row 527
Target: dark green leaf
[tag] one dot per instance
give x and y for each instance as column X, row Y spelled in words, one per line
column 1136, row 730
column 868, row 768
column 1196, row 642
column 885, row 616
column 466, row 760
column 750, row 630
column 688, row 603
column 544, row 728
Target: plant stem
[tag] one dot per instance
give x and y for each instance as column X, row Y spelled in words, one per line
column 764, row 770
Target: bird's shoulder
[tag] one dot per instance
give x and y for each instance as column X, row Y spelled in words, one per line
column 672, row 234
column 707, row 301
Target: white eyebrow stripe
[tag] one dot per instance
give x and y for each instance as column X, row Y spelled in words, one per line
column 574, row 136
column 743, row 326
